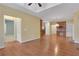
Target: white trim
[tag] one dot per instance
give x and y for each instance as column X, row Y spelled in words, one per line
column 18, row 22
column 28, row 40
column 73, row 33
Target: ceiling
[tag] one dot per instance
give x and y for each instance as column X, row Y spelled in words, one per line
column 60, row 12
column 35, row 8
column 48, row 11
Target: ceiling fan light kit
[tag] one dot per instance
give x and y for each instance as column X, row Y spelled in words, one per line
column 39, row 4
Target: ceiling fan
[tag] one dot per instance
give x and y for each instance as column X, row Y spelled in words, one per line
column 39, row 4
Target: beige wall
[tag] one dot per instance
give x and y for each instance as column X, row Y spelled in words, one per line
column 30, row 24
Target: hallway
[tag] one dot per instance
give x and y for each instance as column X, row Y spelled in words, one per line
column 46, row 46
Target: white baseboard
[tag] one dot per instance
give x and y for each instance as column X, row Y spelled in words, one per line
column 19, row 41
column 76, row 42
column 2, row 47
column 28, row 40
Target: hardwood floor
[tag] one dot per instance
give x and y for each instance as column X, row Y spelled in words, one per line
column 46, row 46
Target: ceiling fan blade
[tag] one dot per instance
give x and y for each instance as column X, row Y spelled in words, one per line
column 29, row 4
column 39, row 5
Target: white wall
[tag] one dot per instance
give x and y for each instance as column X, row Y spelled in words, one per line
column 47, row 28
column 69, row 29
column 53, row 29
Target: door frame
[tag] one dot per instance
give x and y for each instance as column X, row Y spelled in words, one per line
column 42, row 31
column 6, row 17
column 9, row 18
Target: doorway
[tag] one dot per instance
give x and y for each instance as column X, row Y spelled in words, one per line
column 61, row 29
column 42, row 28
column 9, row 30
column 12, row 29
column 54, row 29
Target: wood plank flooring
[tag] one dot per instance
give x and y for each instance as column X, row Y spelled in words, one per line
column 46, row 46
